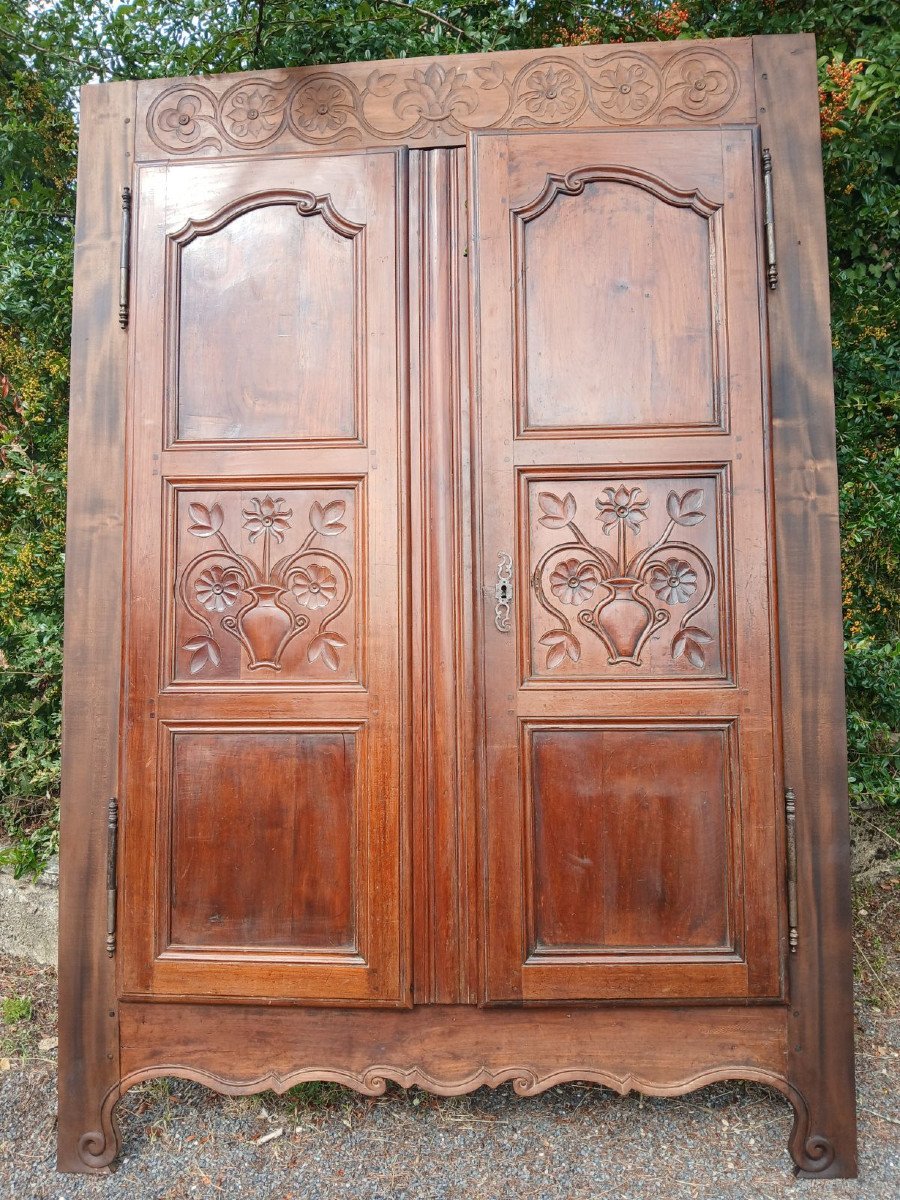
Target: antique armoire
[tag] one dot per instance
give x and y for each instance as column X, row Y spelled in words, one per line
column 453, row 687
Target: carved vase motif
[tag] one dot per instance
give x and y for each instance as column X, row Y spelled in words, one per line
column 265, row 627
column 624, row 619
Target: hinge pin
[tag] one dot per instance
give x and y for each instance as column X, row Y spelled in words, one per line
column 112, row 838
column 125, row 259
column 769, row 201
column 790, row 821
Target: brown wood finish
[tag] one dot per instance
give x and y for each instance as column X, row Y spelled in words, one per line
column 88, row 1018
column 367, row 834
column 678, row 525
column 256, row 583
column 820, row 1018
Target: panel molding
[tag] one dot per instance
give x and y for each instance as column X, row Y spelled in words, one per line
column 555, row 512
column 307, row 204
column 253, row 574
column 165, row 950
column 731, row 950
column 573, row 183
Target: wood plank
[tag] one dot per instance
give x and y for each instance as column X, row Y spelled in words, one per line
column 88, row 1023
column 443, row 860
column 812, row 678
column 450, row 1050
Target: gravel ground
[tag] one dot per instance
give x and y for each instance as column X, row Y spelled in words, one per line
column 576, row 1142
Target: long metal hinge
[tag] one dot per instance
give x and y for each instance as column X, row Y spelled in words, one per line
column 125, row 258
column 790, row 824
column 769, row 201
column 112, row 844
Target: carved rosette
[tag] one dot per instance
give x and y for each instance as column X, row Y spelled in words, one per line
column 330, row 107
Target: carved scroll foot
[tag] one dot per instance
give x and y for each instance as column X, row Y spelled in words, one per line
column 95, row 1151
column 815, row 1155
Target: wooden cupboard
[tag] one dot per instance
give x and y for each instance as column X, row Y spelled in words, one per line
column 453, row 684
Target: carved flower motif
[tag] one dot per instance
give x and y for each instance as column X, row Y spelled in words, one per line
column 573, row 582
column 435, row 94
column 253, row 114
column 701, row 84
column 552, row 93
column 314, row 586
column 317, row 107
column 625, row 89
column 217, row 588
column 267, row 516
column 181, row 120
column 674, row 582
column 622, row 504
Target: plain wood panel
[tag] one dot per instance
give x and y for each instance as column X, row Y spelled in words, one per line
column 624, row 334
column 265, row 851
column 611, row 829
column 267, row 339
column 812, row 668
column 88, row 1025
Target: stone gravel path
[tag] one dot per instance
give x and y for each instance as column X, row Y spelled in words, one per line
column 577, row 1142
column 182, row 1142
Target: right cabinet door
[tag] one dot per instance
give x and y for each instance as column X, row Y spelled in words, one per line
column 632, row 825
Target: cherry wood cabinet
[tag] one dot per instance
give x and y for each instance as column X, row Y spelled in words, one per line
column 453, row 676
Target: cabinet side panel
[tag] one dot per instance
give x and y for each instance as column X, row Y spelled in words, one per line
column 806, row 499
column 88, row 1024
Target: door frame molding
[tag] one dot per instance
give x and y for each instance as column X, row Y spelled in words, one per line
column 804, row 1049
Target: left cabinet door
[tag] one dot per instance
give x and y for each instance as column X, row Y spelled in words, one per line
column 263, row 818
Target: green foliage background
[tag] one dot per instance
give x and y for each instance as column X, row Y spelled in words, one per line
column 50, row 47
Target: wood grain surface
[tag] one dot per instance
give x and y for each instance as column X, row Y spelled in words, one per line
column 481, row 589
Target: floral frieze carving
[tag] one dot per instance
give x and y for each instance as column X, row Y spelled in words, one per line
column 635, row 588
column 399, row 102
column 269, row 598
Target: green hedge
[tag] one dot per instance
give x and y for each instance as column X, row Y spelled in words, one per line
column 47, row 49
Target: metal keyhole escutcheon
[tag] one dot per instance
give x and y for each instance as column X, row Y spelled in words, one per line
column 503, row 592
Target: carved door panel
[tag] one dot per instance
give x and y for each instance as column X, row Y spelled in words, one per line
column 265, row 664
column 630, row 774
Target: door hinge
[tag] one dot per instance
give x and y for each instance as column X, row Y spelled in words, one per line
column 790, row 824
column 112, row 843
column 769, row 202
column 125, row 258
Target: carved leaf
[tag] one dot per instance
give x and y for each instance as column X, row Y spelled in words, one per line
column 379, row 84
column 690, row 642
column 207, row 521
column 202, row 651
column 562, row 645
column 686, row 509
column 491, row 76
column 326, row 646
column 327, row 520
column 558, row 513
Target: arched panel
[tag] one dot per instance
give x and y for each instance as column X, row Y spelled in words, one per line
column 618, row 306
column 266, row 324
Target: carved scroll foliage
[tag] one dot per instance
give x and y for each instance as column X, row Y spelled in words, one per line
column 264, row 604
column 812, row 1153
column 624, row 593
column 329, row 107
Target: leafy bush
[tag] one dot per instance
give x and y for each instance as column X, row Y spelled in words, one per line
column 49, row 47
